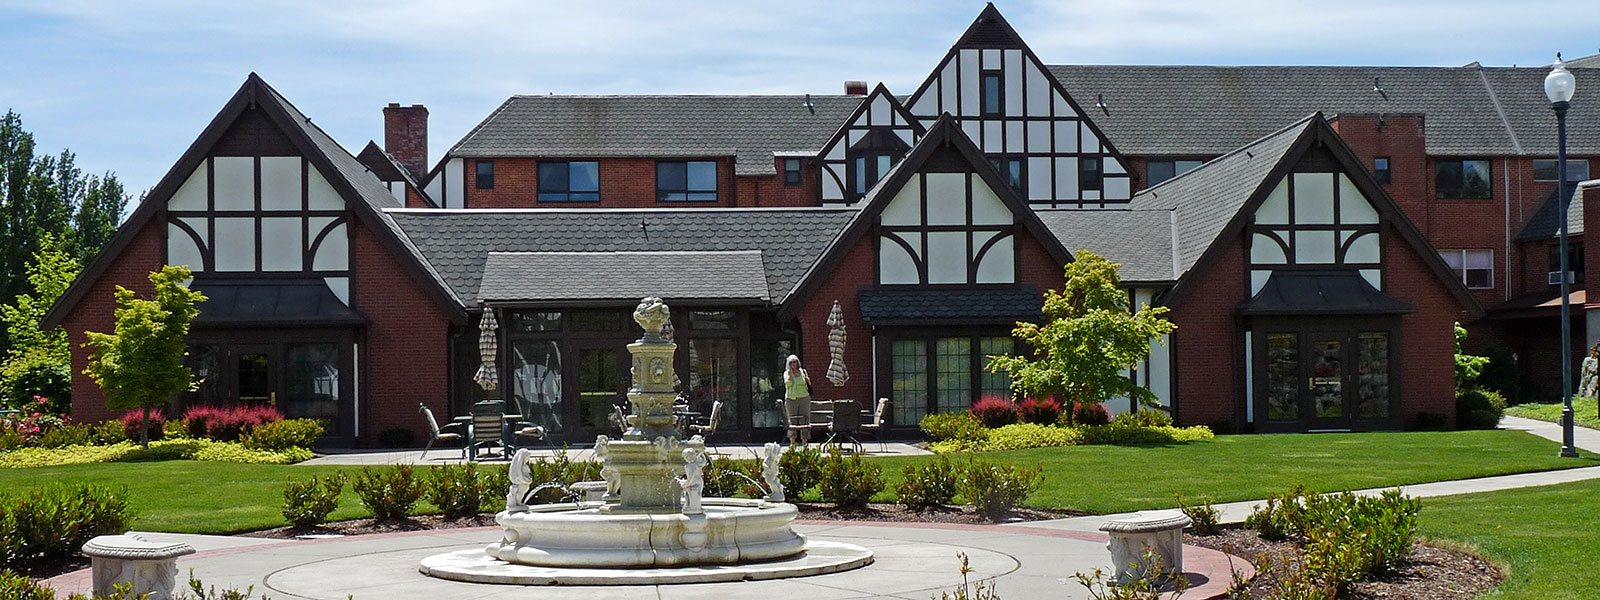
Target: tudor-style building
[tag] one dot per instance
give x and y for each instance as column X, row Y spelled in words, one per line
column 349, row 288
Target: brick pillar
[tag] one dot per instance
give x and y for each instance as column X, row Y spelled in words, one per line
column 405, row 136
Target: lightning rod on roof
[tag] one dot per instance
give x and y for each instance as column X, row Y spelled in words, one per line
column 810, row 107
column 1376, row 87
column 1100, row 103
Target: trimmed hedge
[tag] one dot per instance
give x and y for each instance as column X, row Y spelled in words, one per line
column 52, row 522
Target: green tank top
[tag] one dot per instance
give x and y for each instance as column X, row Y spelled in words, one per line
column 796, row 386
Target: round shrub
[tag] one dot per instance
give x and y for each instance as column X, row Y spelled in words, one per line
column 849, row 481
column 939, row 427
column 390, row 493
column 1144, row 417
column 933, row 484
column 108, row 433
column 132, row 419
column 456, row 490
column 308, row 503
column 799, row 470
column 283, row 435
column 496, row 483
column 1090, row 413
column 1039, row 411
column 1479, row 408
column 994, row 411
column 995, row 489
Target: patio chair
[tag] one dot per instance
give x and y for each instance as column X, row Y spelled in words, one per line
column 524, row 430
column 822, row 417
column 488, row 424
column 439, row 434
column 710, row 427
column 846, row 423
column 876, row 424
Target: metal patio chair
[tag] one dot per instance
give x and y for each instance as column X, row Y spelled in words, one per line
column 439, row 434
column 877, row 425
column 846, row 424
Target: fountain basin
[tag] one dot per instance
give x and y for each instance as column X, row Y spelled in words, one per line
column 592, row 534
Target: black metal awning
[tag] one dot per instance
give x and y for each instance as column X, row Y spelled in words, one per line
column 1341, row 292
column 271, row 302
column 896, row 307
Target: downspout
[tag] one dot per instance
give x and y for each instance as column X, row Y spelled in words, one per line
column 1505, row 164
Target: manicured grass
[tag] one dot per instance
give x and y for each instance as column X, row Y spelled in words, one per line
column 1547, row 535
column 1583, row 411
column 1106, row 479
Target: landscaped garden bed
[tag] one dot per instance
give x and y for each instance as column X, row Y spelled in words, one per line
column 1583, row 411
column 1432, row 571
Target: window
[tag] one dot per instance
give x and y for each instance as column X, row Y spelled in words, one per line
column 1158, row 171
column 908, row 380
column 714, row 376
column 1545, row 170
column 1380, row 169
column 1091, row 173
column 991, row 93
column 1474, row 267
column 868, row 170
column 692, row 181
column 577, row 181
column 791, row 172
column 485, row 174
column 1462, row 179
column 1574, row 260
column 1011, row 169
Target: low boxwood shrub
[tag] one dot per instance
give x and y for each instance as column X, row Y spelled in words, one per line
column 456, row 490
column 1144, row 417
column 799, row 470
column 939, row 427
column 932, row 484
column 995, row 489
column 308, row 503
column 1039, row 411
column 995, row 411
column 729, row 478
column 1203, row 517
column 133, row 418
column 849, row 481
column 496, row 483
column 1130, row 435
column 209, row 451
column 283, row 435
column 389, row 493
column 1479, row 408
column 52, row 522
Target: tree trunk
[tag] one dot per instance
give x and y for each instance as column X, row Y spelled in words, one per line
column 144, row 429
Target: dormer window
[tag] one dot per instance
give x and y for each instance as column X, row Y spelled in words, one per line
column 871, row 158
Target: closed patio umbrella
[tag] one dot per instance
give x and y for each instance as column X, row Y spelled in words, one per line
column 488, row 377
column 836, row 370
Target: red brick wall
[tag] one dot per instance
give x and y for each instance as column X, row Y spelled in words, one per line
column 1035, row 265
column 404, row 356
column 1208, row 345
column 850, row 274
column 624, row 183
column 1401, row 138
column 131, row 269
column 1427, row 336
column 770, row 191
column 405, row 136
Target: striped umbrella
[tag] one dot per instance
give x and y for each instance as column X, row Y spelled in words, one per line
column 488, row 348
column 836, row 371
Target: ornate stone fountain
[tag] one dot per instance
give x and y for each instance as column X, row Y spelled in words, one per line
column 652, row 521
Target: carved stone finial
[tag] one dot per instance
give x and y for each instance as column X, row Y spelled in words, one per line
column 652, row 314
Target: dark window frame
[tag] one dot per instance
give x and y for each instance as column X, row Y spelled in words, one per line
column 1547, row 173
column 1018, row 179
column 566, row 193
column 484, row 180
column 999, row 95
column 1574, row 260
column 1091, row 179
column 1381, row 169
column 688, row 192
column 1461, row 189
column 793, row 175
column 1465, row 272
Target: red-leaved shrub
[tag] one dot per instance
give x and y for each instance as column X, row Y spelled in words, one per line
column 1040, row 411
column 131, row 419
column 227, row 424
column 995, row 411
column 1090, row 413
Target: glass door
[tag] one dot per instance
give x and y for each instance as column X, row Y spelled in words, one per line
column 254, row 369
column 313, row 374
column 600, row 386
column 1326, row 392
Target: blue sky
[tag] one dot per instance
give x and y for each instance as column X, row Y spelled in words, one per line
column 128, row 85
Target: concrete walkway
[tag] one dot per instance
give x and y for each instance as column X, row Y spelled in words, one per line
column 451, row 456
column 1235, row 512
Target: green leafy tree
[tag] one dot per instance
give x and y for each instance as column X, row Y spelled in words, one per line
column 1090, row 339
column 140, row 365
column 39, row 361
column 1468, row 366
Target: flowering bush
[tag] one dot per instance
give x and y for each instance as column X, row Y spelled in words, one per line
column 37, row 419
column 995, row 411
column 1089, row 413
column 132, row 419
column 1039, row 411
column 227, row 424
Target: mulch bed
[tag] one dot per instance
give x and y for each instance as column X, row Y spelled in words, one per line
column 1431, row 573
column 366, row 526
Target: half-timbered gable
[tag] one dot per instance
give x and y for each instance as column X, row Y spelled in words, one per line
column 1010, row 106
column 872, row 140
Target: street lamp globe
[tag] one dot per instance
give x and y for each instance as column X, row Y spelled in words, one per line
column 1559, row 84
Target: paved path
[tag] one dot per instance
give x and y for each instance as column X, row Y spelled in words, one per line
column 449, row 456
column 1235, row 512
column 913, row 561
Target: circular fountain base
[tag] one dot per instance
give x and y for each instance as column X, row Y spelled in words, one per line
column 476, row 566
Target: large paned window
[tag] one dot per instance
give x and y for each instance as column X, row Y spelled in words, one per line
column 1474, row 267
column 953, row 381
column 1316, row 221
column 536, row 382
column 1545, row 170
column 691, row 181
column 944, row 374
column 714, row 377
column 766, row 381
column 205, row 362
column 1283, row 377
column 908, row 376
column 993, row 384
column 1462, row 179
column 575, row 181
column 312, row 382
column 1158, row 171
column 946, row 228
column 1372, row 375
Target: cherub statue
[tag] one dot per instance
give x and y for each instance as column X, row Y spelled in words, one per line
column 769, row 471
column 516, row 497
column 694, row 483
column 602, row 451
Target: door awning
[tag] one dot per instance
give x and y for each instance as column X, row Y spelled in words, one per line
column 1332, row 292
column 280, row 302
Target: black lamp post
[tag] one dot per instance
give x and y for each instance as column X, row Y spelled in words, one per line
column 1558, row 87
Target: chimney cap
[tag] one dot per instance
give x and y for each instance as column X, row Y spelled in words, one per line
column 394, row 105
column 854, row 87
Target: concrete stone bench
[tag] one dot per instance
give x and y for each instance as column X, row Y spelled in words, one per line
column 590, row 491
column 151, row 567
column 1159, row 530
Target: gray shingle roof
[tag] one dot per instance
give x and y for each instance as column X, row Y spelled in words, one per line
column 1190, row 210
column 720, row 275
column 1546, row 224
column 749, row 128
column 458, row 242
column 881, row 306
column 1206, row 110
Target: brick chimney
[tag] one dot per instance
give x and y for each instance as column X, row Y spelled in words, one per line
column 405, row 136
column 855, row 88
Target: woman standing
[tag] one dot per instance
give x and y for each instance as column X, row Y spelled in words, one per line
column 797, row 400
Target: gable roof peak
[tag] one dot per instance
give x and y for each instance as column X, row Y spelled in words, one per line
column 989, row 30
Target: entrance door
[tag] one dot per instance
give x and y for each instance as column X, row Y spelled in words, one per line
column 1327, row 397
column 600, row 386
column 1318, row 380
column 255, row 370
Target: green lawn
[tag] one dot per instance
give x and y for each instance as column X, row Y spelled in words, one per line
column 202, row 497
column 1583, row 411
column 1546, row 534
column 1105, row 479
